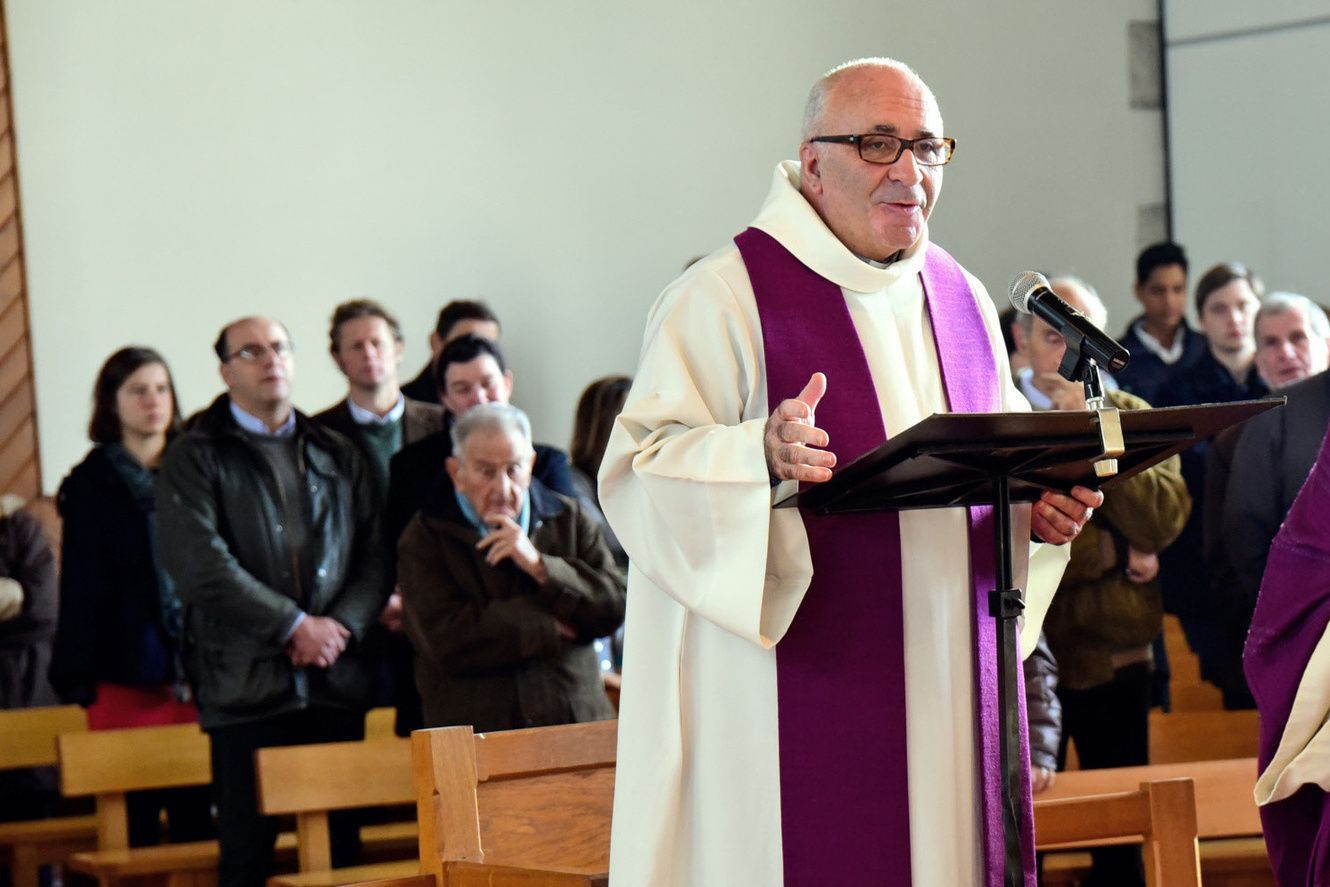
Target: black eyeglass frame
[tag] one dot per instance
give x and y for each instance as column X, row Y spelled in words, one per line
column 858, row 142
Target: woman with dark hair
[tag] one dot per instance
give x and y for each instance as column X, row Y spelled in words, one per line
column 117, row 644
column 597, row 409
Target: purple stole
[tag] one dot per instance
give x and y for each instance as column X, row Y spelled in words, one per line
column 1292, row 614
column 840, row 667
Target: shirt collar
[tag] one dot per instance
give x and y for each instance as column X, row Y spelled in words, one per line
column 790, row 218
column 484, row 529
column 362, row 416
column 255, row 425
column 1167, row 355
column 1038, row 400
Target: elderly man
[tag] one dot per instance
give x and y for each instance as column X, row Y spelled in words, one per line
column 800, row 692
column 267, row 525
column 1108, row 608
column 1256, row 472
column 505, row 585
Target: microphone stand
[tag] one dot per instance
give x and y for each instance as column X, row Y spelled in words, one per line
column 1077, row 367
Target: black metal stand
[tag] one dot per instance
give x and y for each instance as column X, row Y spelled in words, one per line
column 956, row 460
column 1006, row 605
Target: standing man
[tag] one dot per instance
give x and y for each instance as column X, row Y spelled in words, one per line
column 267, row 524
column 505, row 587
column 1257, row 473
column 470, row 371
column 460, row 317
column 1227, row 297
column 770, row 729
column 367, row 345
column 1159, row 339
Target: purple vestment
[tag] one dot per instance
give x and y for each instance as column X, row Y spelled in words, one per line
column 1292, row 614
column 840, row 667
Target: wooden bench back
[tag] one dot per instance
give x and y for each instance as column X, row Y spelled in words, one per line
column 310, row 780
column 109, row 763
column 1163, row 813
column 1224, row 804
column 1183, row 736
column 539, row 798
column 28, row 735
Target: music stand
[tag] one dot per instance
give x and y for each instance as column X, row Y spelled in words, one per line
column 961, row 459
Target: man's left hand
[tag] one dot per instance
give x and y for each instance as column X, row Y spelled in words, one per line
column 506, row 541
column 1057, row 518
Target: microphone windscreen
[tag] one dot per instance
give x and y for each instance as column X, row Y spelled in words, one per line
column 1025, row 284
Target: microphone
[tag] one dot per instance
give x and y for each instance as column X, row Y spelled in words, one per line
column 1030, row 294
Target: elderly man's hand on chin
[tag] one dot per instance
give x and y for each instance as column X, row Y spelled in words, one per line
column 1057, row 518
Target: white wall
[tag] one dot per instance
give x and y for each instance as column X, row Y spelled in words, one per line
column 1249, row 136
column 185, row 163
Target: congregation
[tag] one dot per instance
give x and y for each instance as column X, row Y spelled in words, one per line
column 273, row 575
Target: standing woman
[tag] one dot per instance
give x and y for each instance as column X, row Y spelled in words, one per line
column 117, row 649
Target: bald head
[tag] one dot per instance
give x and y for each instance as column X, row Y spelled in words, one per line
column 815, row 107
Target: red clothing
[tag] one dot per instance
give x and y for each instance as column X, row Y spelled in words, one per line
column 119, row 705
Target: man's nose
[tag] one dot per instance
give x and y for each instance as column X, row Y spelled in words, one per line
column 905, row 169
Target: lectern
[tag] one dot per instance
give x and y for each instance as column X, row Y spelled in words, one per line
column 996, row 459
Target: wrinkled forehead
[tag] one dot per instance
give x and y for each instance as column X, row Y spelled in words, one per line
column 1282, row 323
column 882, row 99
column 496, row 447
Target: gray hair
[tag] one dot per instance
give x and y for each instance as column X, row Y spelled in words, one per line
column 817, row 96
column 490, row 417
column 1276, row 304
column 1095, row 309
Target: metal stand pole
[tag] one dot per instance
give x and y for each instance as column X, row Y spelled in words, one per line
column 1006, row 605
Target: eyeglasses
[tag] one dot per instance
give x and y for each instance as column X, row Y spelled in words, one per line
column 257, row 352
column 878, row 147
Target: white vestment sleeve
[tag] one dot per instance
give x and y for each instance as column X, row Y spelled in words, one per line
column 684, row 480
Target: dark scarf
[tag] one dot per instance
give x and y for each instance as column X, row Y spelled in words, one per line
column 138, row 479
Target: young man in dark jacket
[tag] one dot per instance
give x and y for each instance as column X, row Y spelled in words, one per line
column 268, row 527
column 505, row 587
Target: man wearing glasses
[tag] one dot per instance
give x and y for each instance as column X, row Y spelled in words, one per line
column 800, row 692
column 267, row 526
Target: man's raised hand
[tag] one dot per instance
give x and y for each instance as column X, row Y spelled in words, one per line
column 792, row 434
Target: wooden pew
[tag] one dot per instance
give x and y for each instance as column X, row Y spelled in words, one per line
column 521, row 808
column 1202, row 736
column 27, row 739
column 1227, row 820
column 1162, row 813
column 108, row 764
column 309, row 781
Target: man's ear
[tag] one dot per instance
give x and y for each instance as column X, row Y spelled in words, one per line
column 435, row 346
column 810, row 170
column 508, row 383
column 1021, row 340
column 1139, row 292
column 451, row 465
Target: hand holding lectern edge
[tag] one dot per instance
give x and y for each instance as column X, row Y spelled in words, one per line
column 958, row 459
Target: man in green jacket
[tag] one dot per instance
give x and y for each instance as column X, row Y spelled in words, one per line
column 267, row 524
column 1109, row 607
column 505, row 586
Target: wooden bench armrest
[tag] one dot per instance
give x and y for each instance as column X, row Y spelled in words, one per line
column 479, row 874
column 61, row 828
column 375, row 873
column 409, row 881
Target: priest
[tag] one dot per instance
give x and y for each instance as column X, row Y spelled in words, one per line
column 803, row 697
